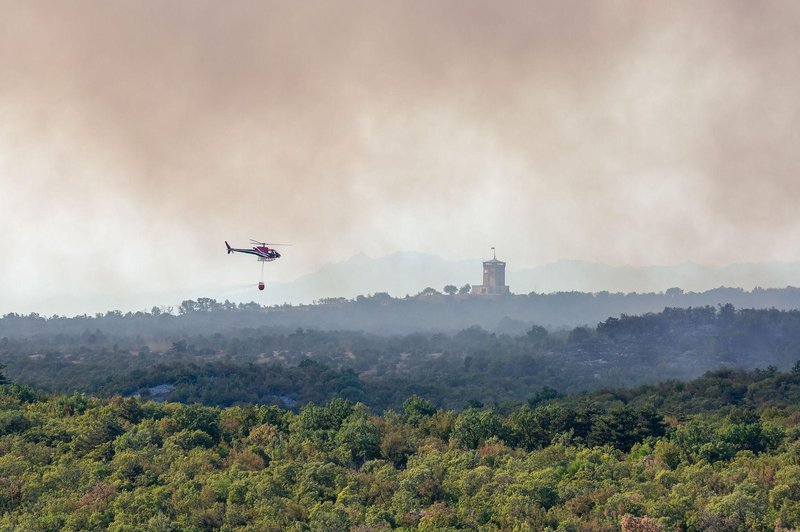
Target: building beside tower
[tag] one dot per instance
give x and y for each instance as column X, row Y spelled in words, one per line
column 494, row 279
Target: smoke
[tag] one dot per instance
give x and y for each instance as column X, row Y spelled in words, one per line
column 136, row 136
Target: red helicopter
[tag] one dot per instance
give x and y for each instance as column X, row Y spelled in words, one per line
column 260, row 250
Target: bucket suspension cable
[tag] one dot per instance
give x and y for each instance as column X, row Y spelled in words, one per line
column 261, row 279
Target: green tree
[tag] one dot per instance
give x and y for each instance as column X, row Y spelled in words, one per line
column 360, row 436
column 198, row 417
column 415, row 409
column 474, row 426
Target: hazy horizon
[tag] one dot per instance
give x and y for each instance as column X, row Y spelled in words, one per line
column 408, row 272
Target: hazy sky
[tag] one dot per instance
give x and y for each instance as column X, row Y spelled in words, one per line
column 136, row 136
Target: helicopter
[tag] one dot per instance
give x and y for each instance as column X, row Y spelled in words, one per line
column 260, row 250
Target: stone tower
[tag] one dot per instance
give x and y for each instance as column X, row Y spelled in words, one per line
column 494, row 278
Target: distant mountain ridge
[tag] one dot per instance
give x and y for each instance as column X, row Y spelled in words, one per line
column 408, row 273
column 593, row 277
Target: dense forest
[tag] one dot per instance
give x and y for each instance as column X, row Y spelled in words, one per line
column 241, row 360
column 379, row 313
column 217, row 417
column 718, row 453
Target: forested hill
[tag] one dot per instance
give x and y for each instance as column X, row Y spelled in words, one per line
column 270, row 365
column 429, row 311
column 718, row 453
